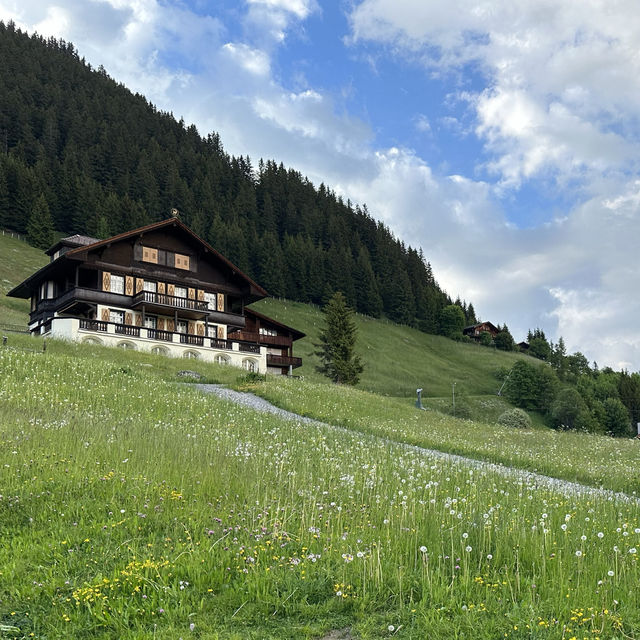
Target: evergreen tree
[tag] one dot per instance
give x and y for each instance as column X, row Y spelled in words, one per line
column 451, row 321
column 336, row 350
column 40, row 227
column 504, row 340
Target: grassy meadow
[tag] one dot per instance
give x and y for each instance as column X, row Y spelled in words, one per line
column 136, row 507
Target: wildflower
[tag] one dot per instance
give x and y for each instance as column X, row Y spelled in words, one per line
column 578, row 554
column 465, row 535
column 468, row 549
column 489, row 556
column 610, row 573
column 600, row 534
column 192, row 626
column 391, row 628
column 423, row 549
column 632, row 550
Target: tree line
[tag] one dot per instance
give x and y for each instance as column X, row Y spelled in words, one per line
column 79, row 153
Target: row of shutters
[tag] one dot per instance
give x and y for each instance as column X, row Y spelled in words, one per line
column 162, row 324
column 168, row 289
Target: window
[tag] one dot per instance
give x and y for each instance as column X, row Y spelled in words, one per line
column 117, row 284
column 149, row 285
column 150, row 322
column 160, row 351
column 268, row 332
column 181, row 292
column 116, row 316
column 126, row 346
column 149, row 255
column 211, row 300
column 92, row 341
column 190, row 355
column 212, row 331
column 182, row 326
column 182, row 262
column 220, row 359
column 250, row 365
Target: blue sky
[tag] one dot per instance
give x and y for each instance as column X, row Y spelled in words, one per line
column 498, row 136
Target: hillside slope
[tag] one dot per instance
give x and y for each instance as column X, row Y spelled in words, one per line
column 398, row 359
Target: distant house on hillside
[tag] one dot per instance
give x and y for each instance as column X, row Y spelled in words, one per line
column 159, row 288
column 475, row 331
column 523, row 346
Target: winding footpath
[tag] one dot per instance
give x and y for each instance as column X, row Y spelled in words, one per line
column 564, row 487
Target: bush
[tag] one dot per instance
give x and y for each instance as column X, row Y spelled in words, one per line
column 516, row 418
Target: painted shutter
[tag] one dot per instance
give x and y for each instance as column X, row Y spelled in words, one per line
column 138, row 319
column 200, row 329
column 200, row 294
column 160, row 324
column 171, row 325
column 106, row 281
column 105, row 314
column 220, row 302
column 161, row 287
column 128, row 317
column 192, row 328
column 221, row 333
column 128, row 287
column 139, row 285
column 171, row 289
column 192, row 293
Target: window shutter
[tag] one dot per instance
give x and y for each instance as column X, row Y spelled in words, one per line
column 105, row 314
column 128, row 318
column 161, row 287
column 106, row 281
column 221, row 333
column 170, row 325
column 200, row 294
column 192, row 293
column 138, row 319
column 171, row 289
column 220, row 302
column 200, row 329
column 160, row 324
column 192, row 328
column 139, row 285
column 129, row 285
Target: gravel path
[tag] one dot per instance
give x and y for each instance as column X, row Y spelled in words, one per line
column 565, row 487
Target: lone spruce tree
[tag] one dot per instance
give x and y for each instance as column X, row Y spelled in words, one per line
column 337, row 343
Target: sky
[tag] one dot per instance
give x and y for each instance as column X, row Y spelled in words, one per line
column 500, row 137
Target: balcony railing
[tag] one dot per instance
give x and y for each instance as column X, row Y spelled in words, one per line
column 283, row 361
column 127, row 330
column 186, row 338
column 93, row 325
column 152, row 297
column 158, row 334
column 261, row 338
column 218, row 343
column 248, row 348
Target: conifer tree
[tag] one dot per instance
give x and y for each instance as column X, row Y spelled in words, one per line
column 336, row 350
column 40, row 226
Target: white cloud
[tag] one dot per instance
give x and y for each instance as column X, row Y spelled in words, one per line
column 300, row 8
column 558, row 75
column 252, row 60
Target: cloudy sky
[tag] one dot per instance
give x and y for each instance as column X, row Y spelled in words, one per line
column 500, row 137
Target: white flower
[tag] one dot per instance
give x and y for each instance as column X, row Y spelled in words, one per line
column 563, row 527
column 465, row 535
column 391, row 628
column 468, row 549
column 600, row 534
column 632, row 550
column 610, row 573
column 578, row 554
column 583, row 538
column 423, row 549
column 489, row 556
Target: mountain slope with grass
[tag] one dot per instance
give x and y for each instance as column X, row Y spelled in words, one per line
column 136, row 507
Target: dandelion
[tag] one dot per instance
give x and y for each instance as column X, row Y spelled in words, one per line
column 610, row 573
column 578, row 554
column 632, row 551
column 468, row 549
column 391, row 628
column 423, row 549
column 489, row 556
column 192, row 626
column 465, row 535
column 600, row 534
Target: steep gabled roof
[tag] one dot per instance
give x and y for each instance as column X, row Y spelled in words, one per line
column 76, row 240
column 155, row 226
column 481, row 324
column 295, row 333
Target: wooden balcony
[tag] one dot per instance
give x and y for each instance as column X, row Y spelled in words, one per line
column 161, row 302
column 283, row 361
column 260, row 338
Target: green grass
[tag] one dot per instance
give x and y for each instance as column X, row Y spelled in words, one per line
column 398, row 359
column 133, row 507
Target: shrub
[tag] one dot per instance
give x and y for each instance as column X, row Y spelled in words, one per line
column 516, row 418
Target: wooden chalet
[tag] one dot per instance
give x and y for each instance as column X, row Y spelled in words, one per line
column 159, row 288
column 475, row 331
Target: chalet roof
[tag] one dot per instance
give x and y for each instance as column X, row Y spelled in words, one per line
column 481, row 324
column 295, row 333
column 24, row 289
column 76, row 240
